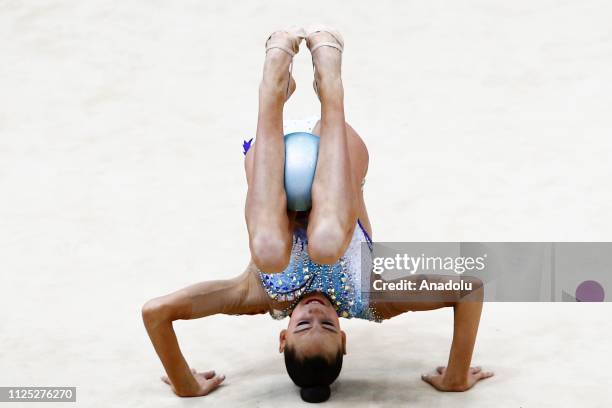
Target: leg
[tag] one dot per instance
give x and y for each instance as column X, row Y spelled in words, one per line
column 266, row 203
column 359, row 158
column 335, row 191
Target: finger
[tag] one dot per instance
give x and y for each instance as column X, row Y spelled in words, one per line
column 427, row 378
column 440, row 369
column 475, row 370
column 165, row 379
column 484, row 374
column 208, row 374
column 213, row 383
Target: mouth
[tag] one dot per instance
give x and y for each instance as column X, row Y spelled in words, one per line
column 315, row 300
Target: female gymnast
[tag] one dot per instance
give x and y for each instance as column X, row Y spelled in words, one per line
column 305, row 265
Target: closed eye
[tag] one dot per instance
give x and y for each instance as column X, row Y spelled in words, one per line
column 329, row 326
column 301, row 326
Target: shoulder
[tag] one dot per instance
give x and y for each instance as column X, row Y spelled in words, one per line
column 386, row 310
column 254, row 297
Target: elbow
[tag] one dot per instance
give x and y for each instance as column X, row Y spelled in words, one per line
column 475, row 291
column 155, row 312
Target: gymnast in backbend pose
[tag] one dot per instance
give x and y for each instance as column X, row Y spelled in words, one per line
column 305, row 265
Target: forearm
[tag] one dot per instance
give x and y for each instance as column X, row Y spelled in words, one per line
column 458, row 375
column 467, row 318
column 159, row 328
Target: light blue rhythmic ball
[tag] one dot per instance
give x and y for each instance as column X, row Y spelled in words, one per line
column 301, row 153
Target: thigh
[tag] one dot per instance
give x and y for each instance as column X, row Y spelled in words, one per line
column 359, row 158
column 358, row 152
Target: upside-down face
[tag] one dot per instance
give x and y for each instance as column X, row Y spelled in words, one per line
column 314, row 328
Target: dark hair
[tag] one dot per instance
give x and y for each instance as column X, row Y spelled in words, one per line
column 313, row 374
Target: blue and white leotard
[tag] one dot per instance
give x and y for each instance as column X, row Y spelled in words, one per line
column 342, row 282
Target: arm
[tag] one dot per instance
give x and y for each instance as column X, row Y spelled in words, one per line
column 239, row 295
column 458, row 375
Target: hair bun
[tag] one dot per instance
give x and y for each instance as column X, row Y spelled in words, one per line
column 319, row 393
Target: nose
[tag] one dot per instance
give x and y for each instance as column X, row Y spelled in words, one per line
column 316, row 311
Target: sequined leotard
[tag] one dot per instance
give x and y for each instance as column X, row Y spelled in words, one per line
column 341, row 282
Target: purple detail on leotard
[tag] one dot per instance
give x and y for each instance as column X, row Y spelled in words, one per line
column 246, row 145
column 364, row 231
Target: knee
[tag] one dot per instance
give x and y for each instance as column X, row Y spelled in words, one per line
column 327, row 242
column 270, row 254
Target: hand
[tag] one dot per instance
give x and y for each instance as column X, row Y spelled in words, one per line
column 442, row 382
column 206, row 383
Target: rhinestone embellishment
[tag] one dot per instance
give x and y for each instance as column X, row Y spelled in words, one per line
column 303, row 276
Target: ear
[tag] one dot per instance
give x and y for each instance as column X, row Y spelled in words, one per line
column 282, row 341
column 343, row 342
